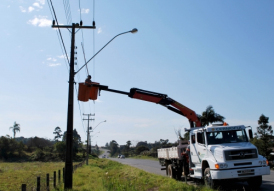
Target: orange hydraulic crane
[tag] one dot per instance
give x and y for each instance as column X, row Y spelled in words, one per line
column 86, row 93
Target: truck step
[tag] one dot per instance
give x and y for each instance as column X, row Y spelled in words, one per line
column 163, row 168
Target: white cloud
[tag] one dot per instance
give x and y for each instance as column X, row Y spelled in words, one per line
column 40, row 21
column 23, row 10
column 99, row 30
column 62, row 56
column 30, row 9
column 52, row 59
column 42, row 2
column 53, row 64
column 85, row 11
column 37, row 5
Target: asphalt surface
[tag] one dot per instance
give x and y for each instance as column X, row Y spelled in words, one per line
column 154, row 167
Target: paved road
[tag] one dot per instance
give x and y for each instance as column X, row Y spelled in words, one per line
column 154, row 167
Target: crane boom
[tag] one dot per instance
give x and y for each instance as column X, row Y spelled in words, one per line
column 157, row 98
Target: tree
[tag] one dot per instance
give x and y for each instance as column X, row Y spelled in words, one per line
column 58, row 132
column 128, row 144
column 164, row 142
column 209, row 116
column 60, row 148
column 113, row 146
column 8, row 147
column 265, row 132
column 15, row 128
column 76, row 141
column 140, row 149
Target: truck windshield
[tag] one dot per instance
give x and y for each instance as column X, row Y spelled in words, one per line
column 220, row 137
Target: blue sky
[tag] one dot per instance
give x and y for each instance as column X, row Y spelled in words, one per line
column 199, row 53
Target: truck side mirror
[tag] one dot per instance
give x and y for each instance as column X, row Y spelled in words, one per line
column 250, row 133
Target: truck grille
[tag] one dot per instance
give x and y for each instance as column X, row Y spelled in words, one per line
column 241, row 154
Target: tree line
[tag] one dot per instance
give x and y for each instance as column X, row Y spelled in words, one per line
column 36, row 148
column 39, row 149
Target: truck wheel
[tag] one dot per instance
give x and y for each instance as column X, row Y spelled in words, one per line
column 209, row 182
column 171, row 172
column 179, row 174
column 255, row 182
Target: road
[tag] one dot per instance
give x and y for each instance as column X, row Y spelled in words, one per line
column 154, row 167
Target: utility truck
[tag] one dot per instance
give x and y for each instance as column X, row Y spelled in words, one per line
column 214, row 153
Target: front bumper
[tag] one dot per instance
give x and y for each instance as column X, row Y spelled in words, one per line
column 239, row 173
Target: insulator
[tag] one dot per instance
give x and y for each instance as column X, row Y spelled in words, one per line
column 93, row 23
column 81, row 23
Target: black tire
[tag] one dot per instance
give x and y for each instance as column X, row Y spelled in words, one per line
column 255, row 182
column 179, row 174
column 209, row 182
column 171, row 172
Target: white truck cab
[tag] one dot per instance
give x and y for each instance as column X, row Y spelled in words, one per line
column 224, row 152
column 216, row 154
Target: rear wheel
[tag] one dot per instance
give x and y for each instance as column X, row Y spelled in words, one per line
column 179, row 173
column 255, row 182
column 171, row 171
column 209, row 182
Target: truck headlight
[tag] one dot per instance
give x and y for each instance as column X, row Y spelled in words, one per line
column 220, row 166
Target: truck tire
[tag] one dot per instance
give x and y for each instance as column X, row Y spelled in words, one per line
column 171, row 172
column 255, row 182
column 179, row 173
column 209, row 182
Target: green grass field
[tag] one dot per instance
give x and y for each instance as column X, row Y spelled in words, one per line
column 99, row 175
column 13, row 175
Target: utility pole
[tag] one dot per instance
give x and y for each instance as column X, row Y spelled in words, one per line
column 88, row 134
column 69, row 140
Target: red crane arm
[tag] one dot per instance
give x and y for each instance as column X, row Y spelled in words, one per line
column 144, row 95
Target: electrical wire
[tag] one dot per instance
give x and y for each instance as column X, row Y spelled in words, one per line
column 59, row 31
column 66, row 56
column 67, row 11
column 58, row 36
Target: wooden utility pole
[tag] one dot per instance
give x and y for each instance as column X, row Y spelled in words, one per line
column 88, row 134
column 69, row 140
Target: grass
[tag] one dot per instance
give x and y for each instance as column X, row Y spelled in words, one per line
column 99, row 175
column 13, row 175
column 108, row 175
column 144, row 157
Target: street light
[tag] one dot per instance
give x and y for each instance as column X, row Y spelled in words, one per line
column 89, row 141
column 97, row 125
column 131, row 31
column 69, row 163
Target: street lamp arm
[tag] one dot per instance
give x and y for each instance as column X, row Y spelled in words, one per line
column 98, row 124
column 131, row 31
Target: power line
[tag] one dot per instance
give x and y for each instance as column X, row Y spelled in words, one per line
column 59, row 31
column 67, row 11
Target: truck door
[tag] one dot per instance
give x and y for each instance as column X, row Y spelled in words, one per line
column 193, row 148
column 201, row 146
